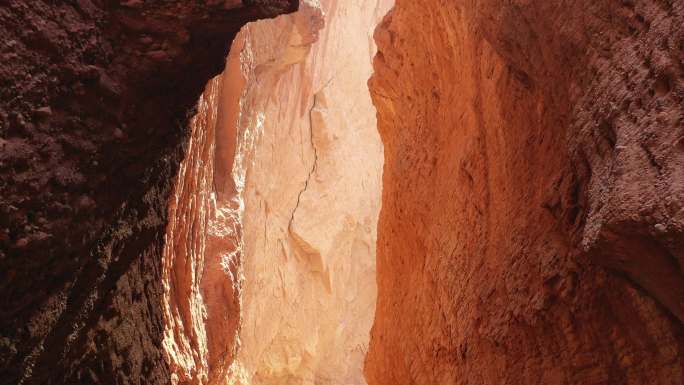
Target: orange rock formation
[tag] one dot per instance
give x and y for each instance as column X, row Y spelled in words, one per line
column 532, row 222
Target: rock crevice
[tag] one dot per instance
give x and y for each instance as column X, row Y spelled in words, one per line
column 313, row 165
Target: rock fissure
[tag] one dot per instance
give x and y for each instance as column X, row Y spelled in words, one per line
column 313, row 165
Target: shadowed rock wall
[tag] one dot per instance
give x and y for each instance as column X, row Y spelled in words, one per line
column 96, row 100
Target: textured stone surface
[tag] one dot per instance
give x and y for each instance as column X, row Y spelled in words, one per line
column 312, row 195
column 532, row 224
column 95, row 100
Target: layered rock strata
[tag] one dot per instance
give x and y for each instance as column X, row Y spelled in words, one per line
column 96, row 101
column 532, row 224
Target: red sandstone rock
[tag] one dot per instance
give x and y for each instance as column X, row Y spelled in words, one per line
column 531, row 227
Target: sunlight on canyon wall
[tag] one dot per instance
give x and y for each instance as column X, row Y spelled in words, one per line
column 312, row 195
column 272, row 250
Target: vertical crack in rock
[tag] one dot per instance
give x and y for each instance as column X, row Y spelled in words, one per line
column 313, row 165
column 313, row 147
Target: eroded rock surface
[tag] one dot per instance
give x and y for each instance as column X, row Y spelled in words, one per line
column 532, row 222
column 312, row 196
column 96, row 99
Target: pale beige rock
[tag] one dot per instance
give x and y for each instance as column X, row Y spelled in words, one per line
column 312, row 195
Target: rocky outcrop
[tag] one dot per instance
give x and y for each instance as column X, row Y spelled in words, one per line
column 96, row 100
column 532, row 223
column 311, row 195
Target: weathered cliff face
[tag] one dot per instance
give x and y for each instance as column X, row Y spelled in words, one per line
column 96, row 98
column 312, row 195
column 532, row 223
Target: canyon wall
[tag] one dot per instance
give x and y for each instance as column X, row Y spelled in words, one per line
column 201, row 264
column 311, row 195
column 96, row 103
column 532, row 224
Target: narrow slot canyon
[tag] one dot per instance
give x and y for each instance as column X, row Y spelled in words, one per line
column 329, row 192
column 276, row 205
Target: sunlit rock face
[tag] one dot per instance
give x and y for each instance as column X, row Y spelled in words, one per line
column 532, row 223
column 201, row 264
column 311, row 195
